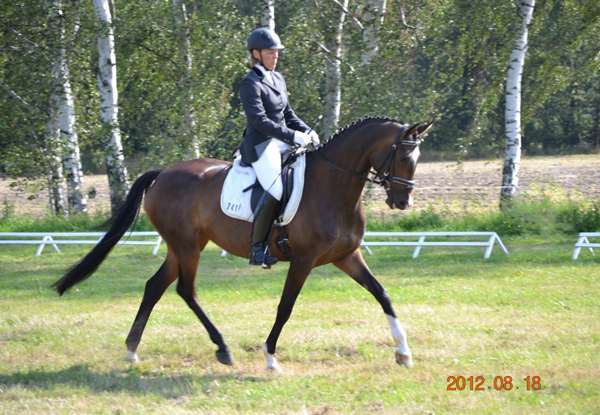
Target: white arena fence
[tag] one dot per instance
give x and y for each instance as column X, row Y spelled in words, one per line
column 489, row 239
column 485, row 239
column 584, row 242
column 67, row 238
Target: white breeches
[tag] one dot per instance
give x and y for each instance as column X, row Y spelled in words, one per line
column 268, row 167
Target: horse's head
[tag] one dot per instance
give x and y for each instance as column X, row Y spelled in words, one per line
column 396, row 165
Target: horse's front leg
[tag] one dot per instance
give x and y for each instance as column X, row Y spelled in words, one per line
column 355, row 266
column 297, row 274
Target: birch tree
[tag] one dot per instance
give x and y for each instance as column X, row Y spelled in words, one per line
column 53, row 158
column 267, row 14
column 61, row 137
column 185, row 52
column 66, row 122
column 333, row 88
column 597, row 128
column 109, row 97
column 374, row 12
column 512, row 160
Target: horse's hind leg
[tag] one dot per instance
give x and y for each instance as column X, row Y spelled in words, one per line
column 186, row 288
column 355, row 266
column 155, row 288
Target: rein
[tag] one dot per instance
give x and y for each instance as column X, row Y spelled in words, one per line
column 390, row 160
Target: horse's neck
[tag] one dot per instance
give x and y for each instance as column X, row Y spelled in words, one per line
column 354, row 150
column 352, row 153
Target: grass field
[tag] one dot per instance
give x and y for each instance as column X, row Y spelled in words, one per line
column 533, row 313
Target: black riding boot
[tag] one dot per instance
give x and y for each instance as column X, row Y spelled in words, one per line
column 263, row 220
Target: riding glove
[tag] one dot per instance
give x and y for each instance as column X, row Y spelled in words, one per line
column 314, row 137
column 302, row 139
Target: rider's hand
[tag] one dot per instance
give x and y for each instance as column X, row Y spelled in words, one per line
column 314, row 137
column 302, row 139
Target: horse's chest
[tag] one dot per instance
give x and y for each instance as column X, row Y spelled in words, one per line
column 350, row 241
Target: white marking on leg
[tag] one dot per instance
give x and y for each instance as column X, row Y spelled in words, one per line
column 403, row 354
column 131, row 357
column 272, row 364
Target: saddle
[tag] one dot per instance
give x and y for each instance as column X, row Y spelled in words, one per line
column 242, row 191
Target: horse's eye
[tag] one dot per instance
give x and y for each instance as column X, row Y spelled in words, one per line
column 404, row 160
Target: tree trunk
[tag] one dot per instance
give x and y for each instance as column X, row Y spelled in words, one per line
column 183, row 33
column 374, row 13
column 53, row 144
column 53, row 152
column 512, row 160
column 597, row 129
column 333, row 89
column 66, row 123
column 107, row 88
column 267, row 14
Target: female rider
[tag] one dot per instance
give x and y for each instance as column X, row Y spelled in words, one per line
column 272, row 127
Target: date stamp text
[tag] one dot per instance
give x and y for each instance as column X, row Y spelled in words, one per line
column 498, row 383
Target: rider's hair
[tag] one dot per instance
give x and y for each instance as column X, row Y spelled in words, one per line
column 253, row 60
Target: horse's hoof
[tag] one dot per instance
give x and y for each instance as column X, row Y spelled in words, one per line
column 274, row 368
column 272, row 365
column 225, row 357
column 131, row 357
column 404, row 360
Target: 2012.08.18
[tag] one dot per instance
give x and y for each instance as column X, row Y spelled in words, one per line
column 498, row 383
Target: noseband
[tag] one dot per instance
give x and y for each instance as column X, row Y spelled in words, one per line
column 387, row 180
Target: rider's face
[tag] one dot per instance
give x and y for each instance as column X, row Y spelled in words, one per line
column 268, row 57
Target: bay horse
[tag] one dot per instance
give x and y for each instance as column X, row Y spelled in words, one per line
column 182, row 203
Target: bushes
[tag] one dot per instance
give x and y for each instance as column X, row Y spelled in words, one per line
column 582, row 218
column 413, row 221
column 512, row 222
column 505, row 222
column 9, row 222
column 532, row 217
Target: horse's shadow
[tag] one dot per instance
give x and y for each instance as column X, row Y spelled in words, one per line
column 150, row 383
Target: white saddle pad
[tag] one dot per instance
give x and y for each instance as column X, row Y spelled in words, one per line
column 236, row 203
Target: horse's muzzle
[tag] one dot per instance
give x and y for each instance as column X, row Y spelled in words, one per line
column 399, row 201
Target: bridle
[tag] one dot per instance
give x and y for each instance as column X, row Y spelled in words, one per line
column 390, row 160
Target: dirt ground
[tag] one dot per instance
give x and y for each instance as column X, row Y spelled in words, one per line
column 470, row 186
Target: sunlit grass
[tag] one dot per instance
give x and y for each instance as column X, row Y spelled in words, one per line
column 532, row 313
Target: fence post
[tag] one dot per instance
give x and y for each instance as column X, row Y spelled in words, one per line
column 47, row 238
column 418, row 247
column 157, row 246
column 582, row 240
column 488, row 250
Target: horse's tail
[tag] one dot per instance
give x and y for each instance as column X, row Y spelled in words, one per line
column 119, row 223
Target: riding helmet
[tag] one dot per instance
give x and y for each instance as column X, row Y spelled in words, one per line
column 264, row 38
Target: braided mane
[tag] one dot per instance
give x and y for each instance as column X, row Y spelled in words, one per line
column 356, row 124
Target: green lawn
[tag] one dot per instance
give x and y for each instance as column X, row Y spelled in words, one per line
column 532, row 313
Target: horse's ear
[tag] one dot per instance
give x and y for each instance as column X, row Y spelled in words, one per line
column 424, row 128
column 409, row 131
